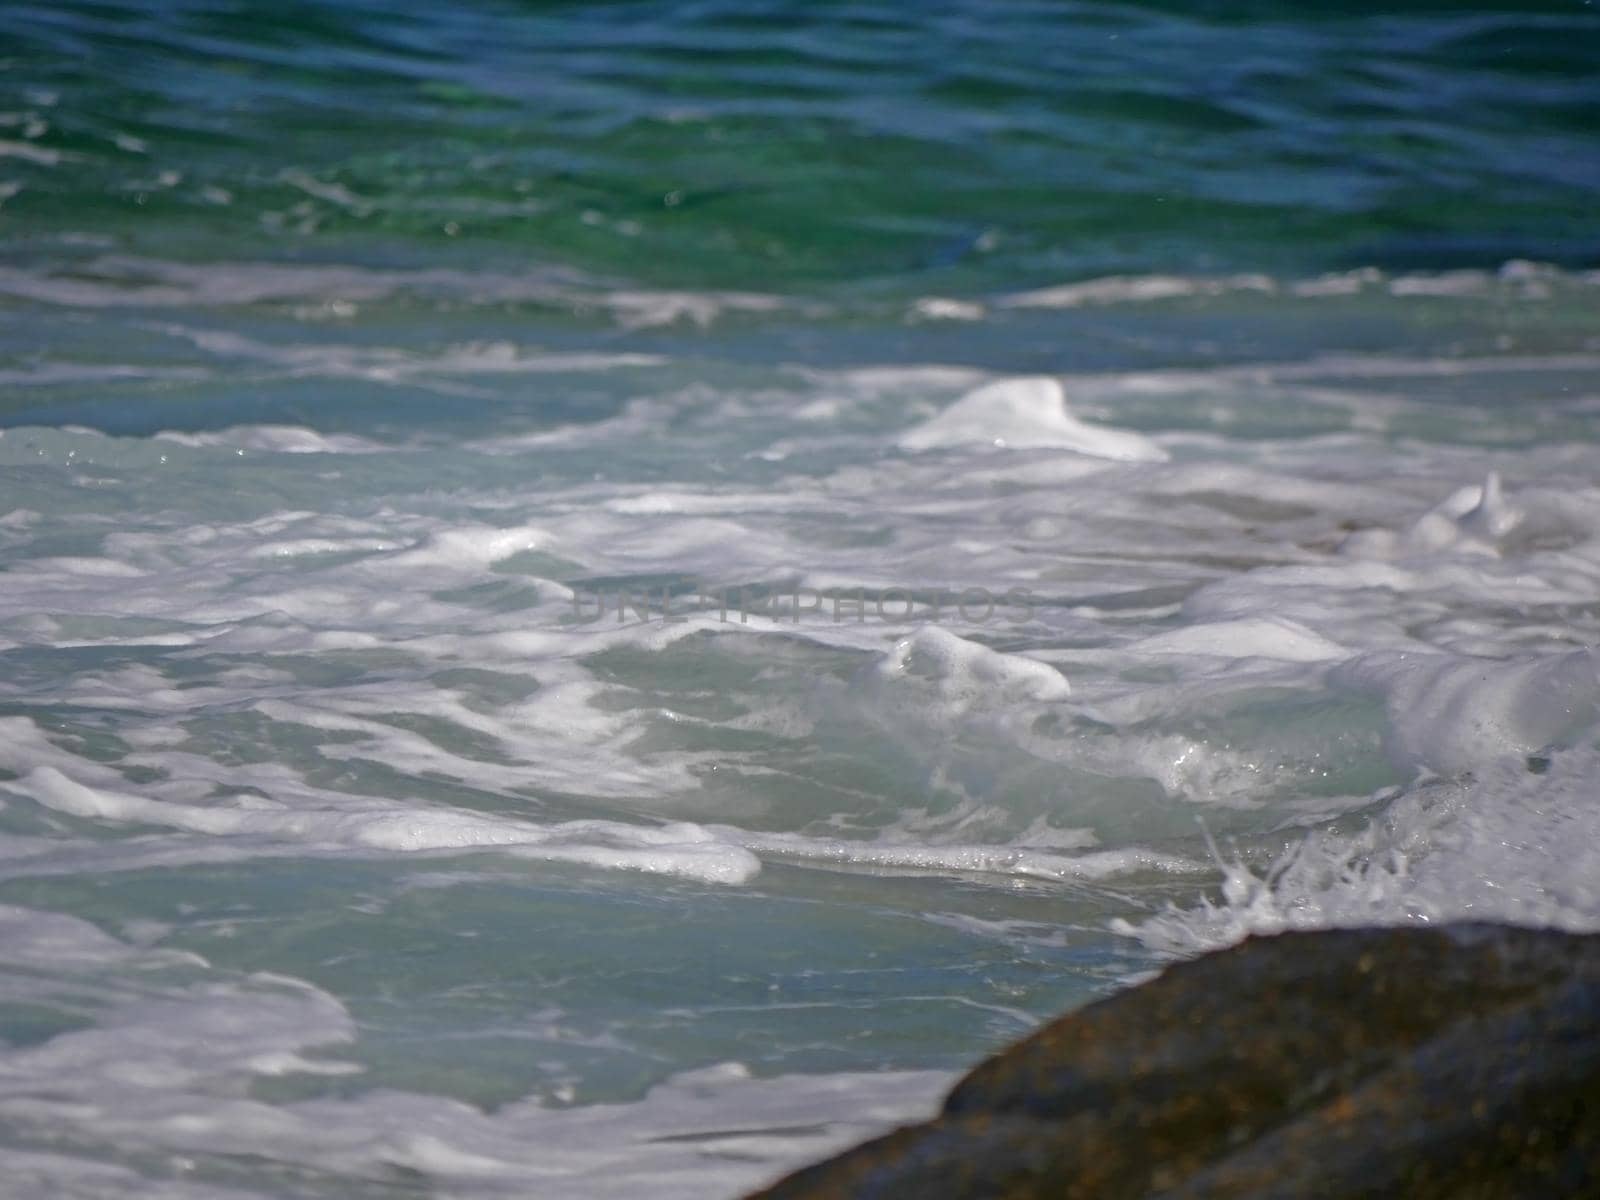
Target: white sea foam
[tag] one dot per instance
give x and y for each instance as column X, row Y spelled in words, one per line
column 124, row 281
column 677, row 849
column 1350, row 600
column 275, row 439
column 1520, row 279
column 129, row 1083
column 960, row 672
column 1124, row 289
column 1249, row 637
column 955, row 859
column 1449, row 713
column 1506, row 844
column 1025, row 414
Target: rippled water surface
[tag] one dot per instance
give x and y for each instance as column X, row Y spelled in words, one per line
column 596, row 598
column 808, row 146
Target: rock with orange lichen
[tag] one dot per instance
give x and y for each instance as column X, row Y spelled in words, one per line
column 1459, row 1062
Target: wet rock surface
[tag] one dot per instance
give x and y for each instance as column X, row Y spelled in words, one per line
column 1459, row 1062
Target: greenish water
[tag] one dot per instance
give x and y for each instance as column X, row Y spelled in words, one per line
column 817, row 146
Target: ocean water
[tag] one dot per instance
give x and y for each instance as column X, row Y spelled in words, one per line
column 595, row 599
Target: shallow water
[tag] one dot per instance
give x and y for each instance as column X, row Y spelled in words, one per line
column 603, row 596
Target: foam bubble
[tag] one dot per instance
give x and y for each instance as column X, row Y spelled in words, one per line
column 961, row 672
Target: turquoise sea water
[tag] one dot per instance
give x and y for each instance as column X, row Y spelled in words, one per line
column 594, row 598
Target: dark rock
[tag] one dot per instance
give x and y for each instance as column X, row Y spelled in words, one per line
column 1461, row 1062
